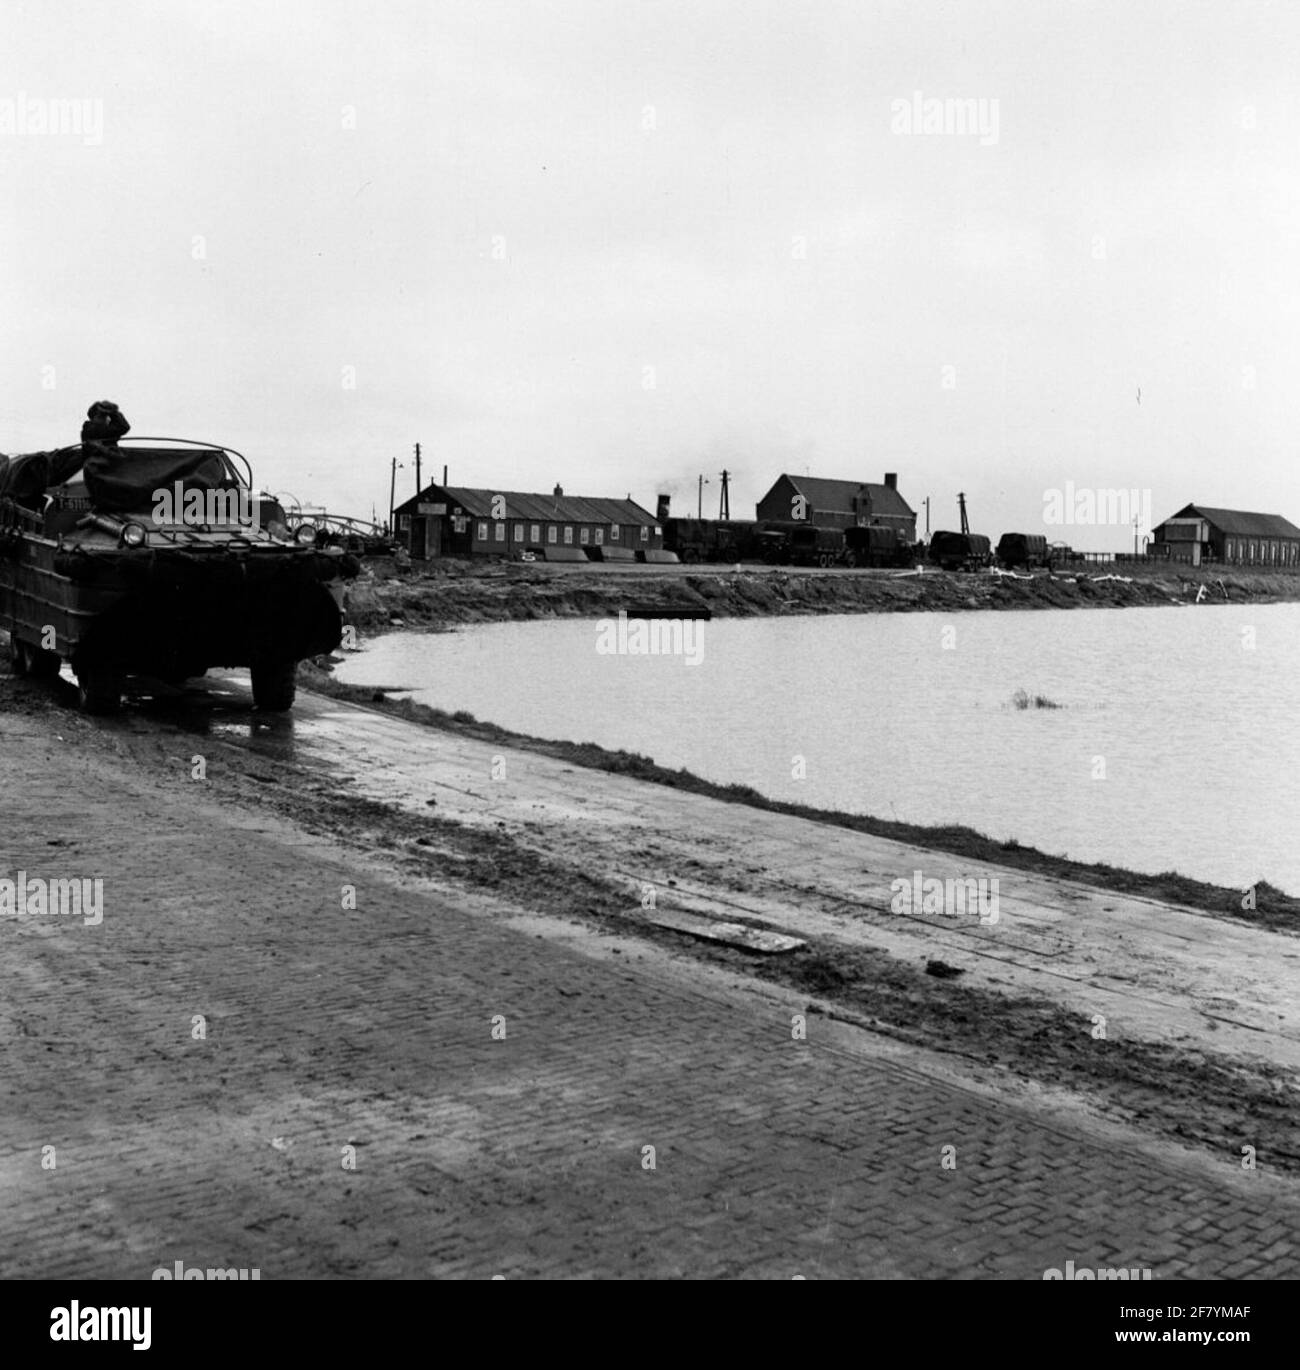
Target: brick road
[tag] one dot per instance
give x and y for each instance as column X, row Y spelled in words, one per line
column 477, row 1157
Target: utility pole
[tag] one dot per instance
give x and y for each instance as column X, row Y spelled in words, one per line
column 927, row 516
column 961, row 504
column 724, row 500
column 392, row 495
column 699, row 506
column 418, row 486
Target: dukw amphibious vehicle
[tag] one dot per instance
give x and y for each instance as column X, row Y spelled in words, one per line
column 155, row 558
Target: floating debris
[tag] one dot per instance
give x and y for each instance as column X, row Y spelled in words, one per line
column 1021, row 700
column 712, row 930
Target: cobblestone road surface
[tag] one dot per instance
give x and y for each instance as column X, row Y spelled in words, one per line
column 522, row 1155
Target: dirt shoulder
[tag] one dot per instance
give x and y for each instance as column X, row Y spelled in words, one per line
column 449, row 593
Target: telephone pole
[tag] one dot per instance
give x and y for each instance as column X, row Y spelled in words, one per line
column 392, row 495
column 418, row 486
column 724, row 500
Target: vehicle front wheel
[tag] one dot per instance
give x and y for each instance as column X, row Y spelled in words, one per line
column 19, row 662
column 274, row 685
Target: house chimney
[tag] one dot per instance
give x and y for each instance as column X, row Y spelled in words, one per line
column 891, row 480
column 661, row 512
column 559, row 492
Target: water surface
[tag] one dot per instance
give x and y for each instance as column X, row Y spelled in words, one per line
column 1175, row 746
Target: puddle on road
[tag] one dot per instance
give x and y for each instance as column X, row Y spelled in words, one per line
column 370, row 757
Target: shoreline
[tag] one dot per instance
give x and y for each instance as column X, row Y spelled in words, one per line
column 1275, row 910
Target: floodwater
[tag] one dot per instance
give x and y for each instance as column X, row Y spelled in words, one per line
column 1174, row 746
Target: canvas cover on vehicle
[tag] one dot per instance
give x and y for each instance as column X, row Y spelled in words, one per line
column 26, row 478
column 118, row 480
column 122, row 480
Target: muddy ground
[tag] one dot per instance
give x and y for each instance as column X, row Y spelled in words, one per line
column 450, row 593
column 994, row 1029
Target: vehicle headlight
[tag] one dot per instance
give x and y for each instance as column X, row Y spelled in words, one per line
column 134, row 535
column 305, row 535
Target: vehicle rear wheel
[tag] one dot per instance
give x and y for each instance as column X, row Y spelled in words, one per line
column 274, row 685
column 99, row 689
column 42, row 664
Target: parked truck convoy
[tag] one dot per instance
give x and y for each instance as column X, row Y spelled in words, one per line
column 872, row 545
column 786, row 543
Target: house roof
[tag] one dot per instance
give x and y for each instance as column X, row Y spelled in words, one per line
column 553, row 508
column 838, row 495
column 1241, row 524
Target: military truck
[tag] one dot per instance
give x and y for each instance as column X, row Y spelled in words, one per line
column 960, row 551
column 150, row 557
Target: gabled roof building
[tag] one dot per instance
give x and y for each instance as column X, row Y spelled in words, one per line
column 1198, row 533
column 457, row 520
column 839, row 503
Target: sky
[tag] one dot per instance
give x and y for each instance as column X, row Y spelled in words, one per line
column 619, row 246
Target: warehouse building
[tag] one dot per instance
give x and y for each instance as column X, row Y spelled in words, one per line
column 839, row 503
column 1198, row 533
column 456, row 521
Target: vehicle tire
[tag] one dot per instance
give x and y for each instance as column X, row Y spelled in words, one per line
column 99, row 690
column 19, row 660
column 851, row 560
column 43, row 664
column 274, row 685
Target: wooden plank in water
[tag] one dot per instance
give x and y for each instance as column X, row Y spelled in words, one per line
column 668, row 611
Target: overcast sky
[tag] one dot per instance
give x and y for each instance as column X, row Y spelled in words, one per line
column 617, row 245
